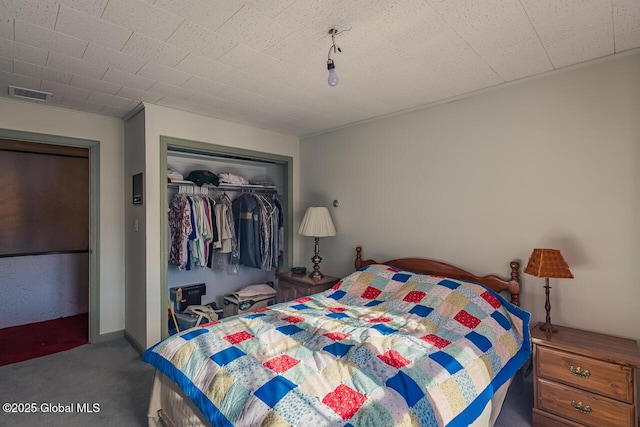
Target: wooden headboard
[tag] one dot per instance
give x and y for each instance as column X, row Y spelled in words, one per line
column 438, row 268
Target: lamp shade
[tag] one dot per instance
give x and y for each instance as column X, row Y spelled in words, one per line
column 317, row 223
column 548, row 263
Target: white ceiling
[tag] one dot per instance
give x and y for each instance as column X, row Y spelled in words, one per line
column 263, row 62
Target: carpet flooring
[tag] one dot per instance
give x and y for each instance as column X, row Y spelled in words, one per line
column 24, row 342
column 109, row 374
column 112, row 376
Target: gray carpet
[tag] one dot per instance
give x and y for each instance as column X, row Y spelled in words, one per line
column 109, row 374
column 112, row 375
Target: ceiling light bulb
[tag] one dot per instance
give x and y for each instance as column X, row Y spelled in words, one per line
column 333, row 77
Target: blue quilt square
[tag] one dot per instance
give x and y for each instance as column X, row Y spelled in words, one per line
column 499, row 317
column 300, row 307
column 447, row 361
column 338, row 349
column 289, row 329
column 275, row 389
column 480, row 341
column 255, row 315
column 449, row 284
column 373, row 303
column 227, row 356
column 337, row 315
column 337, row 295
column 191, row 335
column 421, row 310
column 383, row 329
column 401, row 277
column 407, row 387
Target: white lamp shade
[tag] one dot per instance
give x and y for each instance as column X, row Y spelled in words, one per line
column 317, row 223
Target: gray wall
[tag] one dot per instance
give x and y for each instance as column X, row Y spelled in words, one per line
column 546, row 162
column 135, row 273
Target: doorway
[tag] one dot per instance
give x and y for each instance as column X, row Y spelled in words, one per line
column 70, row 257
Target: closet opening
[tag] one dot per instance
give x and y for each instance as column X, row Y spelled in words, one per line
column 246, row 175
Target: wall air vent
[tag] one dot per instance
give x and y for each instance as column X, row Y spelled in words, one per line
column 33, row 95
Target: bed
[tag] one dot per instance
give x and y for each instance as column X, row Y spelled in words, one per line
column 410, row 341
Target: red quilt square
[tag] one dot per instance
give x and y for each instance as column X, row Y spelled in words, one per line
column 336, row 336
column 238, row 337
column 337, row 285
column 344, row 401
column 491, row 299
column 380, row 319
column 436, row 341
column 414, row 296
column 303, row 299
column 260, row 310
column 281, row 363
column 371, row 293
column 338, row 309
column 395, row 359
column 293, row 319
column 467, row 319
column 204, row 325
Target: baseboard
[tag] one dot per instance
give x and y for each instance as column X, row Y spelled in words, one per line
column 136, row 345
column 108, row 336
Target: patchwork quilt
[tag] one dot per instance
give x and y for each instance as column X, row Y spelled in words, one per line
column 384, row 347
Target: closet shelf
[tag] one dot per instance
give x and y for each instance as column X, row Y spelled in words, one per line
column 231, row 187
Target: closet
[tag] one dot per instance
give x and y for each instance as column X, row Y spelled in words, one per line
column 218, row 266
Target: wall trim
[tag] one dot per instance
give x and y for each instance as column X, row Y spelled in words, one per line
column 108, row 336
column 94, row 211
column 135, row 344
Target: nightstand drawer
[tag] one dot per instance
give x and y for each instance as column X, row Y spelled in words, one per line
column 607, row 379
column 583, row 407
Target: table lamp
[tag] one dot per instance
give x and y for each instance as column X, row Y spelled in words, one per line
column 317, row 223
column 548, row 263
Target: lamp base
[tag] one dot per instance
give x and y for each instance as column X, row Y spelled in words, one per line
column 548, row 327
column 316, row 259
column 316, row 275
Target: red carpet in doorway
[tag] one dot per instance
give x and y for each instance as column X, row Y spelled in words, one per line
column 25, row 342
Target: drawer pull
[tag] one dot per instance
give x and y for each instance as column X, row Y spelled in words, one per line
column 578, row 406
column 579, row 372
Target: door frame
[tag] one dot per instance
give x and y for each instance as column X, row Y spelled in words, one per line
column 94, row 212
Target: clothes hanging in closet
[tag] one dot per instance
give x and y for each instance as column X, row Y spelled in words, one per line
column 205, row 231
column 190, row 230
column 259, row 229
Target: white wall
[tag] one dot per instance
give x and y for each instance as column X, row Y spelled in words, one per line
column 161, row 121
column 43, row 287
column 29, row 117
column 548, row 162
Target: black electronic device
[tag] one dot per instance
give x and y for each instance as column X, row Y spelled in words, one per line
column 184, row 296
column 299, row 270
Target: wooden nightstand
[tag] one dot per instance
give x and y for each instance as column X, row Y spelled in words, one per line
column 584, row 378
column 292, row 286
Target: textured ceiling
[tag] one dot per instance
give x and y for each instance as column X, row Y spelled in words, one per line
column 263, row 62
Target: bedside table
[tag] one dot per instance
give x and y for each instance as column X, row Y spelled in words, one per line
column 292, row 286
column 584, row 378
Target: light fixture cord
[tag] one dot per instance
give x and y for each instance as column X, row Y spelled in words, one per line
column 334, row 46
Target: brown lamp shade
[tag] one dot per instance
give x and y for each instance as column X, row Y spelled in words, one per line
column 548, row 263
